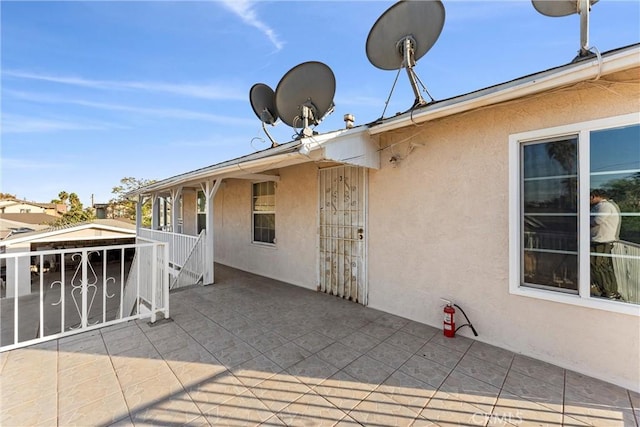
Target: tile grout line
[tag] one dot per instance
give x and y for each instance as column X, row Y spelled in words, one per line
column 493, row 407
column 174, row 373
column 109, row 355
column 391, row 374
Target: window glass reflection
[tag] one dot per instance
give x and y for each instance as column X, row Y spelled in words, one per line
column 615, row 213
column 550, row 214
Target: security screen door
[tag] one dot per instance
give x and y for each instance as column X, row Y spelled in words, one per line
column 342, row 245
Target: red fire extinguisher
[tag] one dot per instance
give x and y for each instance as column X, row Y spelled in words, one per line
column 449, row 326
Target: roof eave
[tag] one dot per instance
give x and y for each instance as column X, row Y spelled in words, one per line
column 268, row 159
column 562, row 76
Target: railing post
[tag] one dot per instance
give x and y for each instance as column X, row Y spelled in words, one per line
column 41, row 297
column 154, row 280
column 15, row 301
column 165, row 290
column 85, row 259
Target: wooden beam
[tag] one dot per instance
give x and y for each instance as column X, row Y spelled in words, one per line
column 258, row 177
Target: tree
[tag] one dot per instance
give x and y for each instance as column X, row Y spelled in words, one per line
column 7, row 196
column 75, row 212
column 123, row 207
column 63, row 198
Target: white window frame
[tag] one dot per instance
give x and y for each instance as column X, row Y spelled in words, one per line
column 254, row 212
column 582, row 130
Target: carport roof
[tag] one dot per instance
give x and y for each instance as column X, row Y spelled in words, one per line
column 127, row 229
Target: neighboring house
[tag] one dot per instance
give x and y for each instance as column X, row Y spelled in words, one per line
column 14, row 206
column 102, row 210
column 482, row 199
column 91, row 234
column 9, row 227
column 33, row 219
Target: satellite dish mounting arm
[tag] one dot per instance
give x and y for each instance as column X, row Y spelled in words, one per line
column 308, row 117
column 273, row 142
column 267, row 117
column 584, row 6
column 407, row 50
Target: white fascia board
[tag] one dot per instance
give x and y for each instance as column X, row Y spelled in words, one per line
column 349, row 146
column 36, row 236
column 83, row 238
column 548, row 80
column 230, row 170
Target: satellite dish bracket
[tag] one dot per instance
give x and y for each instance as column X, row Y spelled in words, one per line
column 308, row 117
column 267, row 117
column 406, row 47
column 273, row 142
column 584, row 6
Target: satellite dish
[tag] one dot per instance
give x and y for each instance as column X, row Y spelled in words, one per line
column 556, row 8
column 264, row 105
column 403, row 34
column 304, row 95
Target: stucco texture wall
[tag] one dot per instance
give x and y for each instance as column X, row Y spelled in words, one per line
column 439, row 227
column 293, row 259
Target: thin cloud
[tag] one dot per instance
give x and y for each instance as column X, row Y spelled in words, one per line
column 168, row 113
column 216, row 141
column 245, row 10
column 204, row 91
column 22, row 124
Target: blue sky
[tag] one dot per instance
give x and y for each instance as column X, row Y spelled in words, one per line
column 99, row 90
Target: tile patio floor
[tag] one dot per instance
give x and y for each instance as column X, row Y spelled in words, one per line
column 251, row 351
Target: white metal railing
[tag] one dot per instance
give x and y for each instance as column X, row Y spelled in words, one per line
column 193, row 268
column 180, row 245
column 54, row 293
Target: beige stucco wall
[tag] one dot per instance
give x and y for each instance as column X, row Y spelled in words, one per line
column 12, row 207
column 293, row 259
column 189, row 209
column 439, row 227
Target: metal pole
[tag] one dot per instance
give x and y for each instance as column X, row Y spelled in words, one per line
column 154, row 280
column 85, row 260
column 584, row 6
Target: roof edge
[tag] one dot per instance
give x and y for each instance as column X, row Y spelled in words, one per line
column 592, row 68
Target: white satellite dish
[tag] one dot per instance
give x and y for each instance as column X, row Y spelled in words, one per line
column 557, row 8
column 403, row 34
column 304, row 96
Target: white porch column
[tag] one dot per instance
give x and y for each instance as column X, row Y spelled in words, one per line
column 176, row 195
column 210, row 189
column 155, row 211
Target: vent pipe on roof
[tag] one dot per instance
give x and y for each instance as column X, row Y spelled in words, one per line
column 348, row 121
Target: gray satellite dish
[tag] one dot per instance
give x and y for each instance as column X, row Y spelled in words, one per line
column 263, row 103
column 556, row 8
column 403, row 34
column 304, row 95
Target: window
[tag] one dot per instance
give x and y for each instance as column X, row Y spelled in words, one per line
column 264, row 212
column 575, row 214
column 23, row 210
